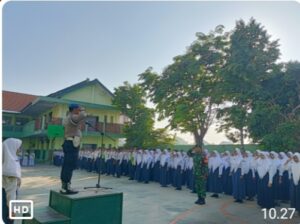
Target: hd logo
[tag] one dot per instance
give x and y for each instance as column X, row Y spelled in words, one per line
column 21, row 209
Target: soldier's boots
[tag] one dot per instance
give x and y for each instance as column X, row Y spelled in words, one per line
column 66, row 189
column 200, row 201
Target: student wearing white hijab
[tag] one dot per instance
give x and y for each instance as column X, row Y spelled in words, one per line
column 190, row 174
column 11, row 169
column 274, row 171
column 238, row 182
column 295, row 183
column 178, row 165
column 146, row 161
column 249, row 175
column 226, row 179
column 138, row 171
column 132, row 164
column 283, row 178
column 157, row 155
column 215, row 174
column 265, row 191
column 163, row 167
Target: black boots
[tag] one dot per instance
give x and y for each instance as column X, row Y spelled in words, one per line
column 200, row 201
column 66, row 189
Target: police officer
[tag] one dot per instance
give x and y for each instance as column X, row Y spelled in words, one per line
column 201, row 172
column 71, row 145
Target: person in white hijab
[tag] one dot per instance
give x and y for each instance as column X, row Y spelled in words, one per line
column 238, row 182
column 249, row 170
column 146, row 162
column 265, row 194
column 215, row 174
column 274, row 175
column 226, row 179
column 138, row 171
column 156, row 175
column 295, row 183
column 11, row 169
column 165, row 156
column 284, row 182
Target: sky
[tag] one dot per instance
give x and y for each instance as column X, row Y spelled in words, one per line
column 48, row 46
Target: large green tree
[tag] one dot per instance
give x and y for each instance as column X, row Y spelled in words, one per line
column 186, row 92
column 275, row 117
column 250, row 59
column 139, row 132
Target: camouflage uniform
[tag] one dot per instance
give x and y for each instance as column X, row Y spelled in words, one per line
column 201, row 173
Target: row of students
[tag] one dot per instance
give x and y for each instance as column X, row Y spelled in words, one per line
column 268, row 177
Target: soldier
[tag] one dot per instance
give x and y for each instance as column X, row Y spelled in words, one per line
column 201, row 173
column 71, row 145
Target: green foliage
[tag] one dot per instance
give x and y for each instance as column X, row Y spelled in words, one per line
column 234, row 77
column 275, row 117
column 139, row 132
column 186, row 91
column 250, row 59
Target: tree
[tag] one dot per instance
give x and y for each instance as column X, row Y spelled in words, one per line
column 250, row 59
column 275, row 119
column 139, row 132
column 186, row 92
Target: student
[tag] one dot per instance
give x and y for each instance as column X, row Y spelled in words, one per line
column 265, row 194
column 238, row 181
column 215, row 174
column 157, row 156
column 178, row 166
column 251, row 177
column 132, row 164
column 119, row 160
column 226, row 179
column 31, row 159
column 138, row 172
column 11, row 169
column 274, row 169
column 295, row 171
column 146, row 161
column 164, row 166
column 283, row 178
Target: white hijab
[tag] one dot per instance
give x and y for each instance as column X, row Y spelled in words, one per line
column 10, row 164
column 263, row 165
column 216, row 161
column 236, row 160
column 164, row 157
column 296, row 169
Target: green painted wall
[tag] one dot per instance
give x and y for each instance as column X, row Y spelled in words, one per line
column 91, row 94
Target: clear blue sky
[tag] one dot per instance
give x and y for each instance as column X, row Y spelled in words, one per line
column 50, row 45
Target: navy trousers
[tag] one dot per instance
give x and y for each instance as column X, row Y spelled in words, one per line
column 70, row 161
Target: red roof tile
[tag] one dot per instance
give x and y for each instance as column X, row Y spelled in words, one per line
column 13, row 101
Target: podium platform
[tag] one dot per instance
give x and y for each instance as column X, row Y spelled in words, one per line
column 92, row 206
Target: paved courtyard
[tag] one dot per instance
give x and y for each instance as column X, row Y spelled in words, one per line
column 148, row 203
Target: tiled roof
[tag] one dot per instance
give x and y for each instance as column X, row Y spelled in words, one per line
column 15, row 102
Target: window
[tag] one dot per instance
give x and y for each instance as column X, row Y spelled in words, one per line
column 111, row 119
column 20, row 121
column 93, row 120
column 6, row 120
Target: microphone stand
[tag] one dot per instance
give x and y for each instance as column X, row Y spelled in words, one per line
column 98, row 186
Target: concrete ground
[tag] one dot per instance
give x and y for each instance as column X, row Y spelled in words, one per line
column 149, row 203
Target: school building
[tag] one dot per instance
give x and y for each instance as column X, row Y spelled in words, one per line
column 37, row 120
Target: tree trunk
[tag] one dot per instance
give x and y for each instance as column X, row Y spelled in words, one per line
column 242, row 139
column 198, row 139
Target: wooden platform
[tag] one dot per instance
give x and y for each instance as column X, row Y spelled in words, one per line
column 92, row 206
